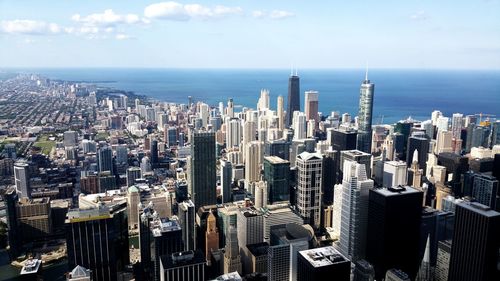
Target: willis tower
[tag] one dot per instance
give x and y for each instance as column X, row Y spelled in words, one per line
column 364, row 141
column 293, row 97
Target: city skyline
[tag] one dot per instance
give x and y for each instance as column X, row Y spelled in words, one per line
column 244, row 34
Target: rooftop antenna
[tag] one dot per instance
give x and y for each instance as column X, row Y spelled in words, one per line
column 291, row 69
column 366, row 73
column 296, row 71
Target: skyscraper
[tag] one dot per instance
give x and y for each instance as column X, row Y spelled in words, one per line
column 456, row 125
column 276, row 174
column 311, row 106
column 187, row 266
column 187, row 221
column 202, row 169
column 293, row 97
column 280, row 112
column 354, row 214
column 316, row 264
column 485, row 190
column 421, row 143
column 22, row 179
column 133, row 173
column 394, row 216
column 309, row 179
column 98, row 240
column 365, row 115
column 394, row 173
column 211, row 236
column 226, row 172
column 232, row 258
column 105, row 159
column 476, row 244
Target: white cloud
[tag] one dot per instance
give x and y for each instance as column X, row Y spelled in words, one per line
column 107, row 19
column 419, row 16
column 259, row 14
column 275, row 14
column 31, row 27
column 122, row 36
column 179, row 12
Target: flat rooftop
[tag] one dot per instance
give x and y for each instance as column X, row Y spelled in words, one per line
column 276, row 160
column 396, row 190
column 324, row 256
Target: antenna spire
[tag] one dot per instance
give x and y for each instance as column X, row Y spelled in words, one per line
column 366, row 73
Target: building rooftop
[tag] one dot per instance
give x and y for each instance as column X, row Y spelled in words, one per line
column 479, row 208
column 164, row 225
column 324, row 256
column 396, row 190
column 31, row 266
column 276, row 160
column 258, row 249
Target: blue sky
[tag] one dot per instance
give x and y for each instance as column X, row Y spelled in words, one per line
column 454, row 34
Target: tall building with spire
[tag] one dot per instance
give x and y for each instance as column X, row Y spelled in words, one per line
column 211, row 236
column 365, row 115
column 293, row 97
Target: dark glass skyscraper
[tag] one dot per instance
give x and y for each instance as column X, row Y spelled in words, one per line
column 394, row 216
column 97, row 239
column 476, row 244
column 293, row 98
column 365, row 115
column 202, row 169
column 277, row 173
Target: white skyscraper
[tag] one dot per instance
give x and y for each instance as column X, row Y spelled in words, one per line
column 435, row 115
column 281, row 114
column 299, row 125
column 354, row 216
column 337, row 209
column 22, row 179
column 253, row 160
column 442, row 123
column 395, row 173
column 309, row 177
column 233, row 134
column 444, row 142
column 204, row 114
column 456, row 125
column 263, row 102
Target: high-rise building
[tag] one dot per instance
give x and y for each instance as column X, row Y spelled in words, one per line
column 276, row 214
column 14, row 234
column 202, row 167
column 355, row 189
column 316, row 264
column 187, row 221
column 232, row 258
column 105, row 159
column 285, row 243
column 477, row 228
column 133, row 199
column 394, row 274
column 421, row 143
column 280, row 148
column 226, row 172
column 280, row 112
column 299, row 125
column 293, row 98
column 80, row 273
column 277, row 174
column 311, row 106
column 22, row 179
column 485, row 190
column 456, row 125
column 443, row 260
column 358, row 157
column 211, row 236
column 187, row 266
column 253, row 160
column 133, row 173
column 233, row 133
column 394, row 173
column 70, row 138
column 154, row 152
column 394, row 214
column 364, row 138
column 97, row 239
column 309, row 179
column 250, row 231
